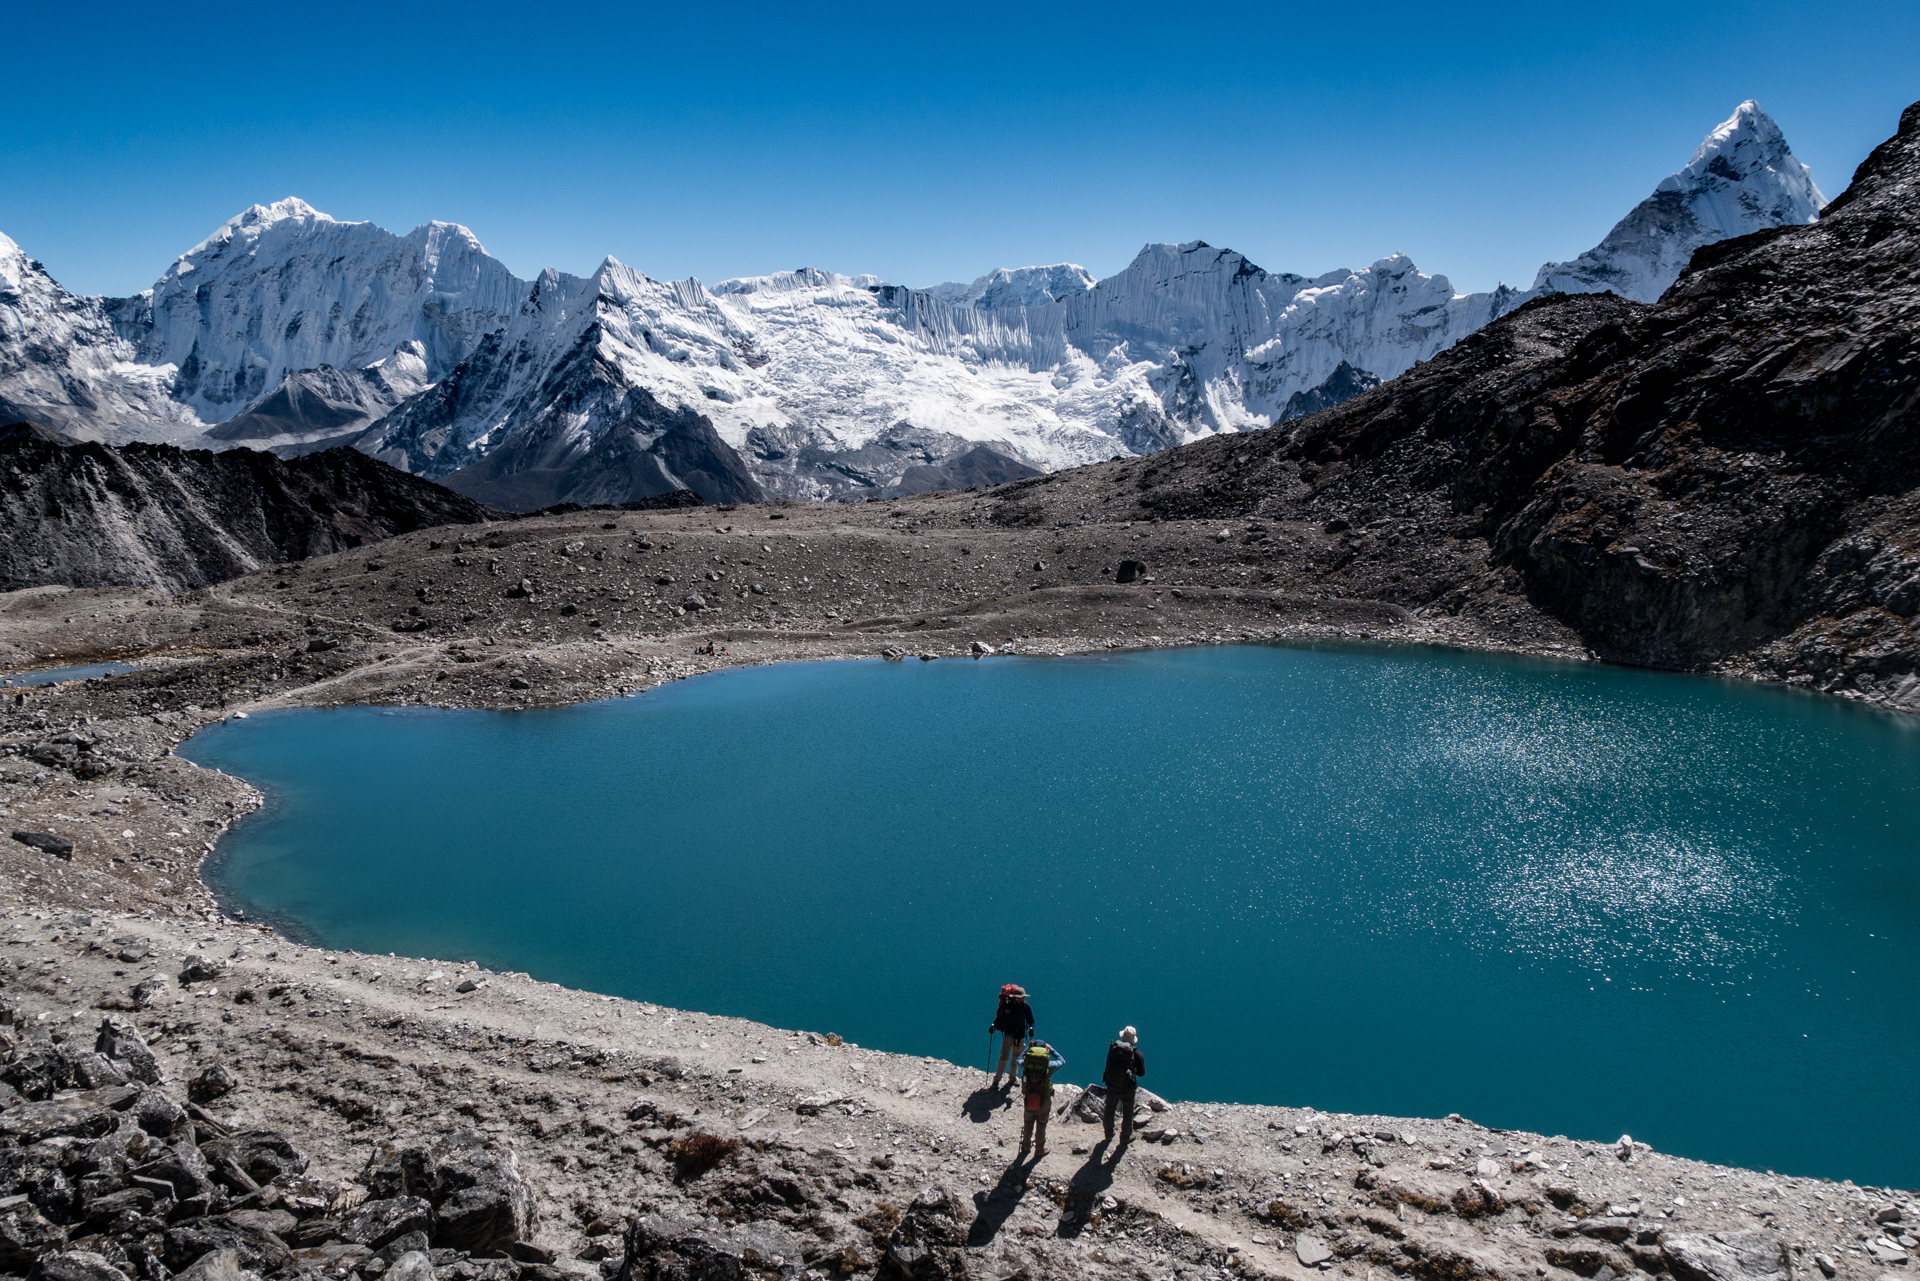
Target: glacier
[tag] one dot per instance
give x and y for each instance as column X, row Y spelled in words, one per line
column 292, row 330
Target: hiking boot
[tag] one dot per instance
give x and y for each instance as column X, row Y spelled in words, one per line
column 1038, row 1153
column 1023, row 1153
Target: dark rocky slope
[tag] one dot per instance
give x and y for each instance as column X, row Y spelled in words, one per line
column 1721, row 480
column 90, row 515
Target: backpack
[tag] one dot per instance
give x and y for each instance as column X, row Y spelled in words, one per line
column 1036, row 1069
column 1119, row 1073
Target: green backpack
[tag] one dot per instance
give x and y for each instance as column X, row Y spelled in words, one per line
column 1036, row 1069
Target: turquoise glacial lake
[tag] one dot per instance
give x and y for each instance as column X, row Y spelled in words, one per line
column 1572, row 899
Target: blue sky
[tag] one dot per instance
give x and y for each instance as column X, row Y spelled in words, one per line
column 918, row 142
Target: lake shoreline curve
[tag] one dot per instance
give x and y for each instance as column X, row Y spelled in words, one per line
column 591, row 1094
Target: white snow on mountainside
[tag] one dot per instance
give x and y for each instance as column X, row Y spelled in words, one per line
column 284, row 287
column 293, row 330
column 1743, row 178
column 63, row 364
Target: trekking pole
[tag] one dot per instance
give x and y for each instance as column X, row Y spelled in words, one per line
column 989, row 1049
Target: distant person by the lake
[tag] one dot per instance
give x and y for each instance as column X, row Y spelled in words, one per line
column 1037, row 1067
column 1125, row 1066
column 1013, row 1020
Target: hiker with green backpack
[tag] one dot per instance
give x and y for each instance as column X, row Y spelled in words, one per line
column 1037, row 1067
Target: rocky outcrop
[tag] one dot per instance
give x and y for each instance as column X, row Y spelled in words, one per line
column 1723, row 480
column 112, row 1181
column 89, row 515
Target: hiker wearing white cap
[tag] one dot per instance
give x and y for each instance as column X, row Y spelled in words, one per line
column 1125, row 1066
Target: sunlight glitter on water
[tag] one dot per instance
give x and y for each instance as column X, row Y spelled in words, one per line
column 1550, row 896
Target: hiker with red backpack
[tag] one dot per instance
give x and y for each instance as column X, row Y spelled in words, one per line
column 1037, row 1067
column 1014, row 1022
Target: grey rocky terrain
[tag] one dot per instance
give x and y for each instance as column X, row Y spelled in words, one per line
column 201, row 1098
column 84, row 514
column 826, row 1160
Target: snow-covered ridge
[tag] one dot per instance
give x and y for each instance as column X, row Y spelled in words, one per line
column 1743, row 178
column 827, row 385
column 282, row 287
column 1017, row 286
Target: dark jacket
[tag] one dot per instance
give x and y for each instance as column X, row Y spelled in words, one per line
column 1125, row 1065
column 1014, row 1017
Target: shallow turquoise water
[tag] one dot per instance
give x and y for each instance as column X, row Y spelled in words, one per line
column 54, row 675
column 1572, row 899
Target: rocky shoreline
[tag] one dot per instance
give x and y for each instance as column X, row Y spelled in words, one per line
column 367, row 1115
column 833, row 1160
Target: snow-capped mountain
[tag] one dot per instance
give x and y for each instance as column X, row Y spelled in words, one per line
column 1743, row 178
column 1018, row 286
column 320, row 408
column 63, row 364
column 296, row 330
column 284, row 287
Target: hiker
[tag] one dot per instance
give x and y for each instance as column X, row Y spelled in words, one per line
column 1125, row 1066
column 1037, row 1067
column 1014, row 1022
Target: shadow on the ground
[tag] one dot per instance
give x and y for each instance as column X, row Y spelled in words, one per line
column 992, row 1208
column 984, row 1102
column 1089, row 1183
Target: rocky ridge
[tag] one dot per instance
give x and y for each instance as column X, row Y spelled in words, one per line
column 1720, row 481
column 85, row 514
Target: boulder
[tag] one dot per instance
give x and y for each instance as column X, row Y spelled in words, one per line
column 483, row 1200
column 199, row 969
column 263, row 1154
column 660, row 1247
column 395, row 1172
column 119, row 1041
column 37, row 1070
column 160, row 1116
column 25, row 1235
column 414, row 1265
column 212, row 1083
column 75, row 1265
column 1751, row 1254
column 377, row 1222
column 183, row 1171
column 217, row 1265
column 258, row 1249
column 1311, row 1250
column 46, row 842
column 78, row 1118
column 1130, row 571
column 930, row 1240
column 38, row 1174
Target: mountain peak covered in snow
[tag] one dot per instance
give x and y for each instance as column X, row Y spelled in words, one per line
column 1742, row 178
column 1017, row 287
column 291, row 329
